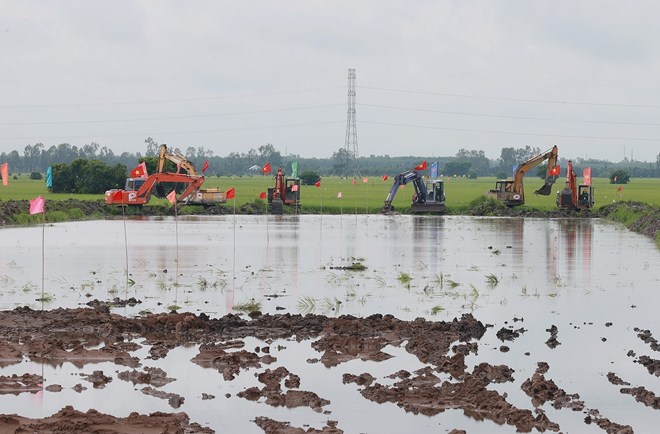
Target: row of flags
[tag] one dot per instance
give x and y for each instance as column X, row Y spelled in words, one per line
column 267, row 168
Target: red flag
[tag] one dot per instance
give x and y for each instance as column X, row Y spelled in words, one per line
column 262, row 195
column 384, row 177
column 37, row 205
column 140, row 171
column 354, row 181
column 172, row 197
column 620, row 188
column 318, row 183
column 339, row 195
column 422, row 166
column 586, row 174
column 4, row 171
column 294, row 187
column 231, row 193
column 365, row 180
column 266, row 169
column 205, row 166
column 555, row 171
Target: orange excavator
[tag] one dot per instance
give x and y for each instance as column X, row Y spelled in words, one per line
column 285, row 192
column 201, row 196
column 137, row 191
column 511, row 191
column 576, row 197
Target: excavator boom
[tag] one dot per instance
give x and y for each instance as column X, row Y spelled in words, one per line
column 512, row 193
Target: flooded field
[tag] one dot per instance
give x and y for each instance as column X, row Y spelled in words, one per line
column 577, row 296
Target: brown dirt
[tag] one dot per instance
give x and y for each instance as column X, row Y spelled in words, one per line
column 69, row 420
column 64, row 335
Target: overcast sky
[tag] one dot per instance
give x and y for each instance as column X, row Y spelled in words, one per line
column 432, row 76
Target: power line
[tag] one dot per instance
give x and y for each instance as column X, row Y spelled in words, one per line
column 496, row 98
column 515, row 133
column 161, row 133
column 160, row 101
column 200, row 116
column 487, row 115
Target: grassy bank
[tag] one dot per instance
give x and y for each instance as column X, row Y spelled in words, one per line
column 367, row 197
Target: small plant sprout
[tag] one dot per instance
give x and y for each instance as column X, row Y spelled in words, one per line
column 332, row 304
column 438, row 281
column 380, row 280
column 492, row 279
column 173, row 307
column 523, row 291
column 474, row 293
column 306, row 304
column 248, row 306
column 404, row 278
column 452, row 283
column 436, row 309
column 202, row 283
column 47, row 298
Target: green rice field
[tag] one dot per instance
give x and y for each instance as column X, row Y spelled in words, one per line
column 368, row 196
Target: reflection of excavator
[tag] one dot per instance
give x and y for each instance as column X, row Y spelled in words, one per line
column 201, row 196
column 429, row 198
column 575, row 197
column 138, row 190
column 511, row 191
column 285, row 192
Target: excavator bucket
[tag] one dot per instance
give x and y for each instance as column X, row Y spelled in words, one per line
column 546, row 189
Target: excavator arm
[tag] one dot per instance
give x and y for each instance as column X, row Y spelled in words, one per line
column 175, row 157
column 403, row 179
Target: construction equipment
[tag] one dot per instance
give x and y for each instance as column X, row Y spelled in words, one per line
column 201, row 196
column 511, row 191
column 137, row 191
column 285, row 192
column 427, row 199
column 575, row 197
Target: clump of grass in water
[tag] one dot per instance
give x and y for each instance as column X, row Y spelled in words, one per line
column 436, row 309
column 251, row 305
column 492, row 279
column 356, row 266
column 173, row 307
column 452, row 283
column 306, row 304
column 332, row 304
column 47, row 298
column 404, row 278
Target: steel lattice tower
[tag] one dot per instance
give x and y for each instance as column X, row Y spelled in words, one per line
column 351, row 144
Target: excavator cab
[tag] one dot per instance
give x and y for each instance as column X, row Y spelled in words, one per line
column 292, row 195
column 134, row 184
column 434, row 202
column 585, row 196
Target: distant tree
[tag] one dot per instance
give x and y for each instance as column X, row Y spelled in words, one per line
column 152, row 147
column 309, row 177
column 458, row 168
column 36, row 175
column 619, row 177
column 341, row 162
column 87, row 176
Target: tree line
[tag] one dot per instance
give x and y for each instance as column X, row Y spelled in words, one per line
column 469, row 163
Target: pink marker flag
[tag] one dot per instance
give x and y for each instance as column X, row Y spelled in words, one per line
column 37, row 205
column 4, row 172
column 172, row 197
column 339, row 195
column 586, row 174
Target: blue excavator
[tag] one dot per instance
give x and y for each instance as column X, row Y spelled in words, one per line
column 428, row 198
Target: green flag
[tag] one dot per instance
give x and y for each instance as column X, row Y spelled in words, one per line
column 294, row 169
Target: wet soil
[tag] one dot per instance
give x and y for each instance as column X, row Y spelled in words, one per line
column 60, row 335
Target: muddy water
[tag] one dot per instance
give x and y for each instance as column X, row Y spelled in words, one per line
column 579, row 275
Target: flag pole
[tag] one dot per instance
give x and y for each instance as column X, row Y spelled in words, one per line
column 234, row 266
column 123, row 218
column 176, row 237
column 43, row 254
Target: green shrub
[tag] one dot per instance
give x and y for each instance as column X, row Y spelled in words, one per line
column 36, row 175
column 75, row 214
